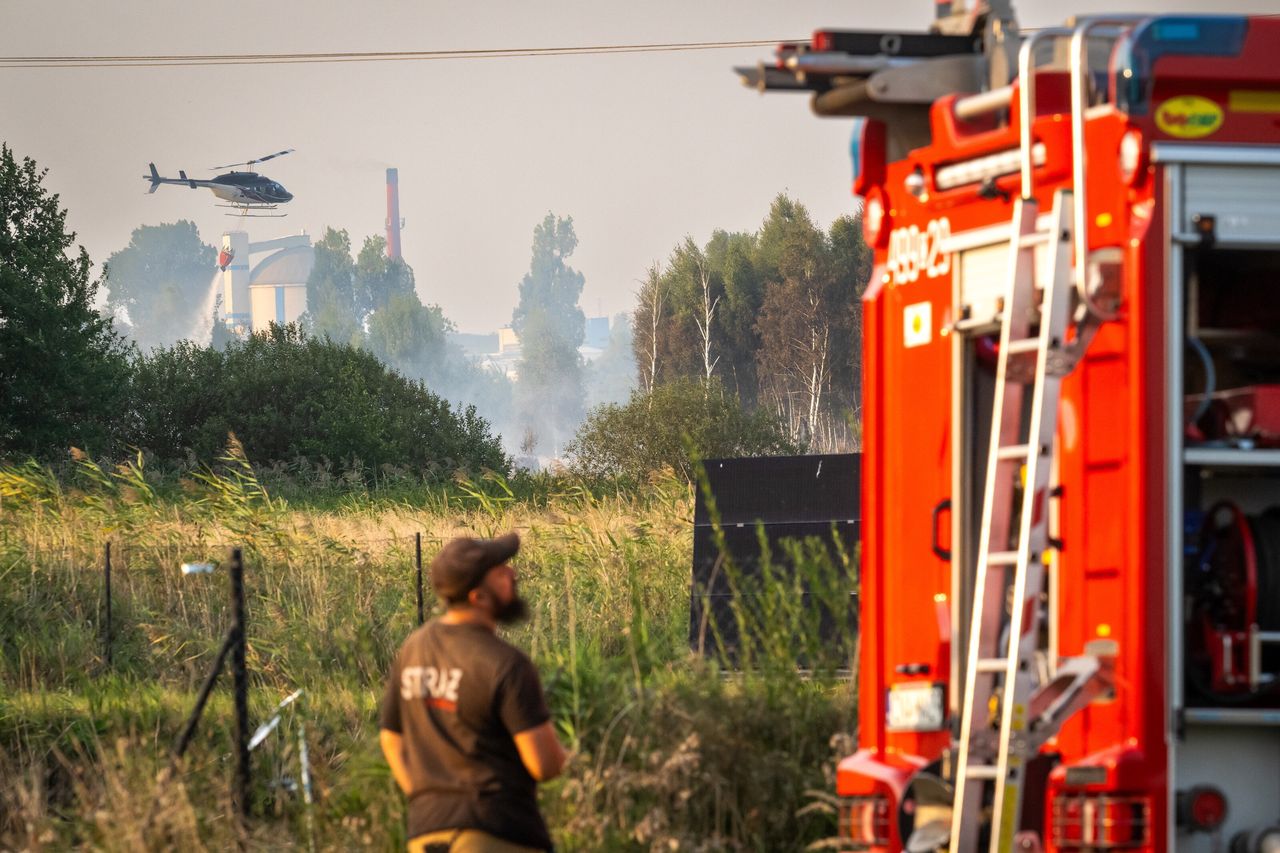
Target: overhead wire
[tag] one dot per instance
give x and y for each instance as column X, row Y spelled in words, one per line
column 220, row 59
column 214, row 59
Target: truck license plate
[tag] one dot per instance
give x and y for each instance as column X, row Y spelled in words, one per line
column 915, row 707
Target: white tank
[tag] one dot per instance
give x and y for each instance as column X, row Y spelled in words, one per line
column 278, row 285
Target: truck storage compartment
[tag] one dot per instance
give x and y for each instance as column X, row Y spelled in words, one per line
column 1231, row 435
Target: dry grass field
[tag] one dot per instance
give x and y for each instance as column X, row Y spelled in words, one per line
column 669, row 752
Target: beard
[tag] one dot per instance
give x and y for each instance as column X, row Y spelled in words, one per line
column 514, row 611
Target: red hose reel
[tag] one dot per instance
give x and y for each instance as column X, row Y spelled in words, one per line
column 1232, row 589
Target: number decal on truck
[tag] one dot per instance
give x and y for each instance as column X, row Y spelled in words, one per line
column 913, row 252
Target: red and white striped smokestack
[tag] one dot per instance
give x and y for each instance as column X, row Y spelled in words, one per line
column 393, row 213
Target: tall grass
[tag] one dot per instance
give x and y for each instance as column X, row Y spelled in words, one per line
column 669, row 752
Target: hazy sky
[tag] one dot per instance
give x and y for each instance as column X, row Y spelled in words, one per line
column 639, row 149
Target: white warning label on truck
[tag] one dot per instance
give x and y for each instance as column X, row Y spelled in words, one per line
column 917, row 324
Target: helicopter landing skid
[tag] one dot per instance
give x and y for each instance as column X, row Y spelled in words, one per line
column 252, row 210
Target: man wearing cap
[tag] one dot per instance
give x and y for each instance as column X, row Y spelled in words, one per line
column 465, row 725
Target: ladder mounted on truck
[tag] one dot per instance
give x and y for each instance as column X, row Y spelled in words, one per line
column 1007, row 714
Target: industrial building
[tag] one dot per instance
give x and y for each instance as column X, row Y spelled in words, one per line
column 273, row 288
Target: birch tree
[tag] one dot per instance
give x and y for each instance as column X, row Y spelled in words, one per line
column 707, row 317
column 648, row 325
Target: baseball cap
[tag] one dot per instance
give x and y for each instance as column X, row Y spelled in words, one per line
column 462, row 564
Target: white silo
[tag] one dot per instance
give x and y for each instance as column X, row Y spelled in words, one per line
column 272, row 290
column 278, row 282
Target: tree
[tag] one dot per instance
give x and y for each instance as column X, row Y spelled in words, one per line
column 691, row 263
column 286, row 396
column 805, row 317
column 809, row 323
column 64, row 372
column 551, row 328
column 730, row 254
column 787, row 239
column 409, row 336
column 797, row 327
column 378, row 279
column 659, row 429
column 649, row 325
column 162, row 281
column 696, row 316
column 852, row 260
column 331, row 302
column 773, row 315
column 695, row 291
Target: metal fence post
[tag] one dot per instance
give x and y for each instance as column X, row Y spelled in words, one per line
column 184, row 739
column 106, row 584
column 240, row 788
column 417, row 537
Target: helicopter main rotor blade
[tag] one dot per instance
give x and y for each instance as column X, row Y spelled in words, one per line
column 273, row 156
column 257, row 160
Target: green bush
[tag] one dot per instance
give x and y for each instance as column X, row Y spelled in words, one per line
column 287, row 396
column 669, row 427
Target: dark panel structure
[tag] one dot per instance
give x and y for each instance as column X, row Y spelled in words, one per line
column 775, row 499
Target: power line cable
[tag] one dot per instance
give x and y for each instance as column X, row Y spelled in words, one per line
column 220, row 59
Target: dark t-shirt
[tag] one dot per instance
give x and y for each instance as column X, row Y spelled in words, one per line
column 457, row 694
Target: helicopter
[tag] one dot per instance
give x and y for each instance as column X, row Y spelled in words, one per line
column 247, row 192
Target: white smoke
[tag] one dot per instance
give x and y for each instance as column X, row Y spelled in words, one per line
column 201, row 331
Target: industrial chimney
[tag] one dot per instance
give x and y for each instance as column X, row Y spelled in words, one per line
column 393, row 213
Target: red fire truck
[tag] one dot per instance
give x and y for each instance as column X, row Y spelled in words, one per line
column 1070, row 572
